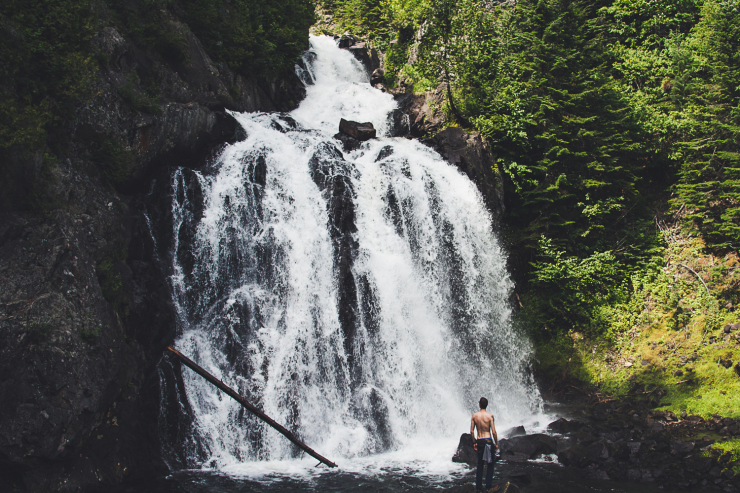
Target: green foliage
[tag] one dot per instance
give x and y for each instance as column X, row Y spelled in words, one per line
column 149, row 24
column 44, row 60
column 252, row 36
column 571, row 290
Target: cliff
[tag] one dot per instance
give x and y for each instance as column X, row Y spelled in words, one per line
column 84, row 300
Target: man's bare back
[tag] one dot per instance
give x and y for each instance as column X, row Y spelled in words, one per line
column 483, row 421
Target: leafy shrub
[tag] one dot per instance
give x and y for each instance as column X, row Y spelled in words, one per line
column 252, row 36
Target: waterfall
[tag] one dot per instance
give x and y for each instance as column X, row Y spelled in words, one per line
column 359, row 298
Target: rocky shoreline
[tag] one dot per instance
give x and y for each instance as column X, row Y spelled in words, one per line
column 627, row 442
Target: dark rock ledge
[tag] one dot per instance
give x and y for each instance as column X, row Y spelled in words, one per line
column 629, row 444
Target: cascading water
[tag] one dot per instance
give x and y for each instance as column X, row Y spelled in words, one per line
column 359, row 298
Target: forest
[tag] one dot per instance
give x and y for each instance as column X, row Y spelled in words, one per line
column 615, row 125
column 616, row 130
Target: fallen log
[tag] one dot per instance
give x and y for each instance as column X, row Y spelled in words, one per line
column 250, row 407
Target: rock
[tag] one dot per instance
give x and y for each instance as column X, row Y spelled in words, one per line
column 634, row 447
column 465, row 452
column 514, row 432
column 473, row 156
column 577, row 456
column 346, row 41
column 527, row 447
column 496, row 488
column 465, row 488
column 349, row 144
column 333, row 176
column 562, row 425
column 657, row 427
column 367, row 56
column 424, row 111
column 399, row 123
column 81, row 362
column 504, row 488
column 681, row 448
column 522, row 477
column 662, row 415
column 377, row 77
column 359, row 131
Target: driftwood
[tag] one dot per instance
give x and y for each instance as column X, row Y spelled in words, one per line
column 697, row 276
column 253, row 409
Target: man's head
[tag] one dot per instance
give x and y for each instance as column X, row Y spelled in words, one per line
column 483, row 402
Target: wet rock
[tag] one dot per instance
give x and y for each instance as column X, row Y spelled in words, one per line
column 514, row 432
column 522, row 448
column 377, row 77
column 496, row 488
column 465, row 452
column 423, row 110
column 563, row 425
column 681, row 448
column 465, row 488
column 521, row 477
column 333, row 176
column 662, row 415
column 473, row 156
column 366, row 55
column 399, row 123
column 346, row 41
column 359, row 131
column 576, row 456
column 349, row 144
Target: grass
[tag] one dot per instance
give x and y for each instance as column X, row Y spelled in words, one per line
column 667, row 344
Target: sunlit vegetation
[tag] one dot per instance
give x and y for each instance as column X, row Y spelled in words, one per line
column 616, row 125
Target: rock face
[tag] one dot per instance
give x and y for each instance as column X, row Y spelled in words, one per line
column 85, row 307
column 471, row 154
column 356, row 130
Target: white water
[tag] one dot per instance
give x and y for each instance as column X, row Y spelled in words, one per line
column 258, row 298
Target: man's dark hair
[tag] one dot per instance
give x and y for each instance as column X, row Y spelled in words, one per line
column 483, row 402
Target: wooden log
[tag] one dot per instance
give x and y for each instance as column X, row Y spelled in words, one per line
column 250, row 407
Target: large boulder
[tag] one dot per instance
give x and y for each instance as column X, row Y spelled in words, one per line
column 562, row 425
column 465, row 452
column 515, row 431
column 523, row 448
column 360, row 131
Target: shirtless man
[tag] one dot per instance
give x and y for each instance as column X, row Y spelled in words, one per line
column 483, row 421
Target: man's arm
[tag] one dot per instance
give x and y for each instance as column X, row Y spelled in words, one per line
column 493, row 433
column 472, row 429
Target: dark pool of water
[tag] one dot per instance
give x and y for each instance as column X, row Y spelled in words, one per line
column 543, row 478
